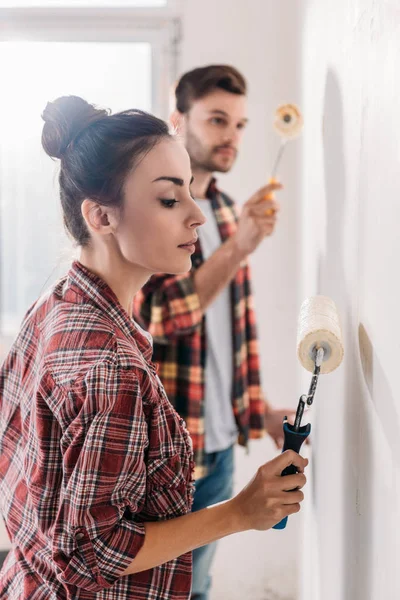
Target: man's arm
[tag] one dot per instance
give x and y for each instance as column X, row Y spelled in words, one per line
column 257, row 220
column 217, row 272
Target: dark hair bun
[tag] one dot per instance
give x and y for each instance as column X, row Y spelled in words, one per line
column 64, row 119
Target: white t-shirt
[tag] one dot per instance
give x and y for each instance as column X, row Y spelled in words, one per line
column 220, row 424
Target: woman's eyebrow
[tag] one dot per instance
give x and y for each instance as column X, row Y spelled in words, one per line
column 174, row 180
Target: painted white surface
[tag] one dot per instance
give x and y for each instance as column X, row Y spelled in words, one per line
column 350, row 246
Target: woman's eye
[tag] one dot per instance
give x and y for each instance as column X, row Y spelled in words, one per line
column 168, row 203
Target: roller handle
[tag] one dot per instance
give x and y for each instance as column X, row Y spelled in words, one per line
column 293, row 440
column 271, row 195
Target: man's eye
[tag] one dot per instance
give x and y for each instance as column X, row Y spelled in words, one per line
column 217, row 121
column 168, row 203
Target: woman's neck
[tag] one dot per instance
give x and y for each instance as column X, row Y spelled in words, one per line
column 124, row 278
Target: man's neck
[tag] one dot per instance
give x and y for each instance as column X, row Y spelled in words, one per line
column 201, row 183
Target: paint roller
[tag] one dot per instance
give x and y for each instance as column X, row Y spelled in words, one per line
column 320, row 351
column 288, row 124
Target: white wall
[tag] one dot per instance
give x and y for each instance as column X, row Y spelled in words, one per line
column 350, row 245
column 262, row 38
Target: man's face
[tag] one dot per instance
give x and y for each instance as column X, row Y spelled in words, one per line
column 213, row 129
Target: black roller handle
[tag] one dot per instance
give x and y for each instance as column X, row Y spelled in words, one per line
column 293, row 441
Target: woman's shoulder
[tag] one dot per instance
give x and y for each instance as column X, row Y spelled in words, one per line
column 67, row 340
column 82, row 339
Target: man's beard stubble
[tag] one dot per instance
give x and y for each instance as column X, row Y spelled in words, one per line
column 202, row 159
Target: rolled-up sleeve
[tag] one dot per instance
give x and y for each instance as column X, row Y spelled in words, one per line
column 169, row 306
column 98, row 533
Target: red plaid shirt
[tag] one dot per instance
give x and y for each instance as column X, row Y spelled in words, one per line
column 169, row 307
column 90, row 449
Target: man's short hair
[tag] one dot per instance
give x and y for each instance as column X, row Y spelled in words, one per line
column 199, row 82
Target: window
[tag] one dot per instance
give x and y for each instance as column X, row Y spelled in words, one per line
column 112, row 63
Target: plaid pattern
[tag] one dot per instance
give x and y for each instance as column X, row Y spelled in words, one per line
column 169, row 308
column 90, row 449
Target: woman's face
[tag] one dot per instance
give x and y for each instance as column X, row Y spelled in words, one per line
column 157, row 227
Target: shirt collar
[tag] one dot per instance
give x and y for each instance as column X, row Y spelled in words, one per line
column 83, row 286
column 212, row 188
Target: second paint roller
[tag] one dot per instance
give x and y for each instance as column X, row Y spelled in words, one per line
column 288, row 123
column 320, row 350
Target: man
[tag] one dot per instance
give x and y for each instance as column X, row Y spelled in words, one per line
column 203, row 324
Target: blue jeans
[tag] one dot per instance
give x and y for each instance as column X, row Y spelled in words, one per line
column 215, row 487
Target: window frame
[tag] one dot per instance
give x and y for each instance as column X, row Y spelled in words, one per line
column 159, row 26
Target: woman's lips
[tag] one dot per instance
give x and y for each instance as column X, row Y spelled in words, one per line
column 189, row 246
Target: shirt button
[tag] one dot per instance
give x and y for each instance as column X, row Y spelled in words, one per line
column 80, row 536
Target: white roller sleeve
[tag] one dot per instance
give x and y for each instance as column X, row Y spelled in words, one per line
column 319, row 325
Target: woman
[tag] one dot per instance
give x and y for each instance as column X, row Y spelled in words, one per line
column 95, row 464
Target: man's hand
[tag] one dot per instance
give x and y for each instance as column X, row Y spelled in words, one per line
column 257, row 220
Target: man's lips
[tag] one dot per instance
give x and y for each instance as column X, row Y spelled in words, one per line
column 226, row 150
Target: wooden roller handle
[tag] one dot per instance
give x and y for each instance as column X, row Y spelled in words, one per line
column 271, row 196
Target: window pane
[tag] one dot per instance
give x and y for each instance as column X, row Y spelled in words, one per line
column 33, row 246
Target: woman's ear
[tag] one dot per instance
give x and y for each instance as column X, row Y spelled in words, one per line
column 100, row 219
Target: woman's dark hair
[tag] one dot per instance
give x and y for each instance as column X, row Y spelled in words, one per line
column 97, row 151
column 199, row 82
